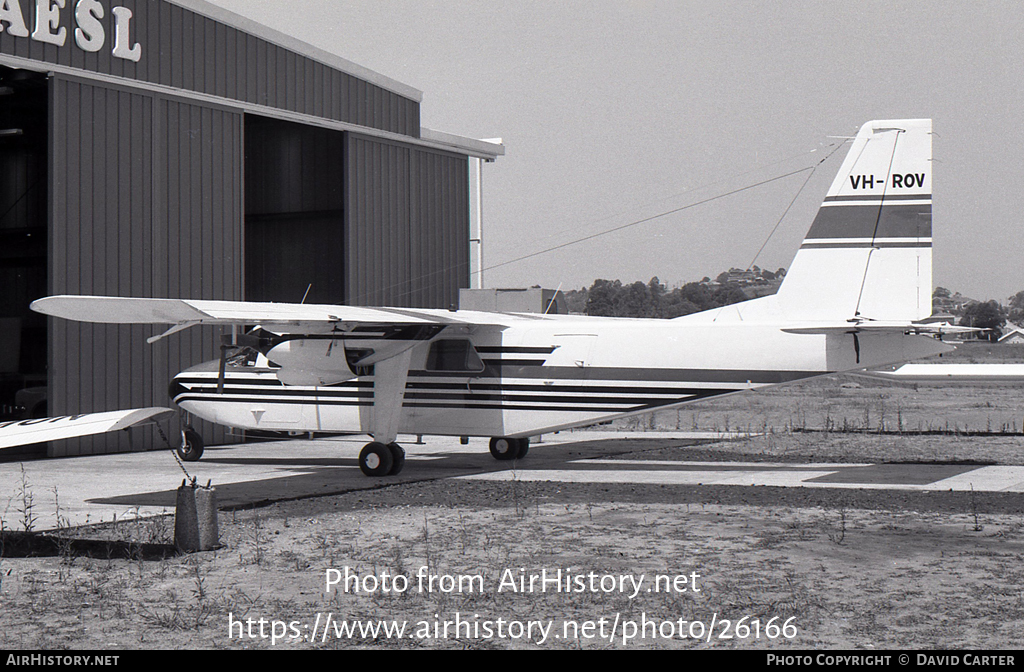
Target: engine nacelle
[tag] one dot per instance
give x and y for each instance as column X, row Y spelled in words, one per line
column 311, row 362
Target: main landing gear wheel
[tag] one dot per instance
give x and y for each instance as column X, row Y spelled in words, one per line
column 397, row 459
column 503, row 448
column 376, row 459
column 191, row 448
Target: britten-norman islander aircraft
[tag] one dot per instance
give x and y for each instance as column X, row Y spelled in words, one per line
column 852, row 299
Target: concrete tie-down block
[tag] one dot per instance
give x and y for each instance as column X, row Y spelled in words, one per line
column 195, row 518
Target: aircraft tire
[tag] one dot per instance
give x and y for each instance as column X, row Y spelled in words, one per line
column 397, row 459
column 524, row 448
column 191, row 448
column 375, row 459
column 503, row 448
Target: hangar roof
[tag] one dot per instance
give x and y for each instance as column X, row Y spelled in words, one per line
column 298, row 46
column 252, row 75
column 484, row 149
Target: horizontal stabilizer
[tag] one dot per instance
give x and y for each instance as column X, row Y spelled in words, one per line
column 953, row 373
column 877, row 327
column 38, row 430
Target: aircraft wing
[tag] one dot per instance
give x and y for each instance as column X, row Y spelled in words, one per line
column 38, row 430
column 279, row 317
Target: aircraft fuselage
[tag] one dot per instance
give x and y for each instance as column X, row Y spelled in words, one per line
column 541, row 375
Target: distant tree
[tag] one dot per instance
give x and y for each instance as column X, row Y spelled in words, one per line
column 576, row 300
column 942, row 301
column 674, row 305
column 728, row 295
column 611, row 298
column 1016, row 308
column 634, row 300
column 697, row 294
column 985, row 315
column 601, row 297
column 655, row 287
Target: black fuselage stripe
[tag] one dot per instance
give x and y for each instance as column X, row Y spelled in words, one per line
column 597, row 407
column 279, row 392
column 306, row 397
column 512, row 362
column 605, row 375
column 581, row 405
column 438, row 388
column 599, row 376
column 515, row 349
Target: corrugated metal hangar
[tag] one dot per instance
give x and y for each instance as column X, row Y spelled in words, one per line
column 169, row 148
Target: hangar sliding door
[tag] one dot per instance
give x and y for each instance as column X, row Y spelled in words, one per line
column 294, row 222
column 406, row 224
column 23, row 246
column 354, row 219
column 145, row 201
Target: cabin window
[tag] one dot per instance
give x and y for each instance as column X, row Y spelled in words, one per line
column 453, row 355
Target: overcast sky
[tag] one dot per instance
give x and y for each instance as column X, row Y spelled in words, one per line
column 614, row 112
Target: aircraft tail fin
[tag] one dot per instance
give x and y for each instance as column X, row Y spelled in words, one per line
column 868, row 254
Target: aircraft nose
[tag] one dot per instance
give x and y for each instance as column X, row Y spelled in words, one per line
column 175, row 389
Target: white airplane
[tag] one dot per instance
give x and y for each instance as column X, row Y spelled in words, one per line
column 852, row 299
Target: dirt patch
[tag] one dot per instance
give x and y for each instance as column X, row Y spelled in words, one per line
column 854, row 569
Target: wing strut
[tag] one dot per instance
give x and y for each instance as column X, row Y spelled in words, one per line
column 389, row 376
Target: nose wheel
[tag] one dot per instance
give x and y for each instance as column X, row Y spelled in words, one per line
column 191, row 448
column 378, row 459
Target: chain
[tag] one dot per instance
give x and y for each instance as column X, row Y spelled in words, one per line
column 175, row 453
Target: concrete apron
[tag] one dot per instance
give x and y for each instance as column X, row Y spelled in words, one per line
column 103, row 488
